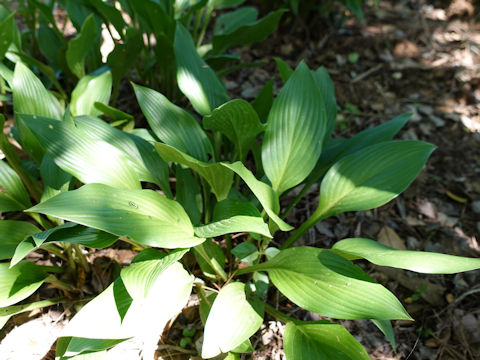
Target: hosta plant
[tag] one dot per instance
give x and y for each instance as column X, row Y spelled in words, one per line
column 232, row 163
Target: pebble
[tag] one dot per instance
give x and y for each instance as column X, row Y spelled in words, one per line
column 250, row 93
column 476, row 206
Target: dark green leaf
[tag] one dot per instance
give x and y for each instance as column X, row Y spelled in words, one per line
column 284, row 69
column 230, row 21
column 13, row 195
column 80, row 46
column 210, row 258
column 263, row 102
column 11, row 234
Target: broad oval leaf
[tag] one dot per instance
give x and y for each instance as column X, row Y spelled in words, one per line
column 13, row 233
column 326, row 283
column 19, row 282
column 296, row 127
column 234, row 224
column 238, row 121
column 419, row 261
column 217, row 176
column 371, row 176
column 79, row 47
column 232, row 319
column 89, row 90
column 173, row 125
column 231, row 207
column 143, row 215
column 195, row 78
column 88, row 159
column 321, row 340
column 264, row 193
column 13, row 195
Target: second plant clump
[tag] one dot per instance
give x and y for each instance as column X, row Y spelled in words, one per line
column 231, row 171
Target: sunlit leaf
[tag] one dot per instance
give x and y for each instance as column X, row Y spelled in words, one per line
column 234, row 224
column 89, row 90
column 13, row 195
column 11, row 234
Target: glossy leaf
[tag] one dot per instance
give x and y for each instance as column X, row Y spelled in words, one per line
column 173, row 125
column 238, row 121
column 371, row 176
column 19, row 282
column 295, row 130
column 321, row 340
column 217, row 176
column 11, row 234
column 234, row 224
column 88, row 159
column 143, row 215
column 264, row 193
column 13, row 195
column 89, row 90
column 326, row 283
column 141, row 154
column 195, row 78
column 233, row 318
column 327, row 89
column 210, row 258
column 80, row 46
column 68, row 232
column 419, row 261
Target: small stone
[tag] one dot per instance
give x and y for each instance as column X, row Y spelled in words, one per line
column 476, row 206
column 437, row 121
column 397, row 75
column 250, row 93
column 324, row 229
column 470, row 322
column 230, row 85
column 450, row 298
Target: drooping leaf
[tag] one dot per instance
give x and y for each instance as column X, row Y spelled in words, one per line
column 68, row 232
column 89, row 90
column 419, row 261
column 19, row 282
column 386, row 328
column 326, row 283
column 238, row 121
column 13, row 195
column 295, row 130
column 264, row 193
column 234, row 224
column 233, row 318
column 246, row 251
column 88, row 159
column 321, row 340
column 143, row 215
column 371, row 176
column 109, row 13
column 173, row 125
column 195, row 78
column 80, row 46
column 217, row 176
column 11, row 234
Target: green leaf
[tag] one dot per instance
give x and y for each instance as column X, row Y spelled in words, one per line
column 419, row 261
column 19, row 282
column 231, row 207
column 7, row 29
column 326, row 283
column 188, row 194
column 141, row 154
column 173, row 125
column 295, row 130
column 109, row 14
column 217, row 176
column 247, row 34
column 143, row 215
column 89, row 90
column 234, row 224
column 31, row 97
column 158, row 288
column 210, row 258
column 284, row 69
column 68, row 232
column 13, row 195
column 80, row 46
column 327, row 89
column 386, row 328
column 238, row 121
column 263, row 102
column 88, row 159
column 321, row 340
column 246, row 251
column 230, row 21
column 195, row 78
column 11, row 234
column 264, row 193
column 371, row 176
column 233, row 318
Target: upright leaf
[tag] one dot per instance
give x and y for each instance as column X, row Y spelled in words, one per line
column 80, row 46
column 233, row 318
column 284, row 69
column 11, row 234
column 188, row 194
column 195, row 78
column 143, row 215
column 13, row 195
column 327, row 89
column 89, row 90
column 295, row 130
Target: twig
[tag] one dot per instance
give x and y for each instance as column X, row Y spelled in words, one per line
column 367, row 73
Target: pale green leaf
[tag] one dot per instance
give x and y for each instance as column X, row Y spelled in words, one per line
column 326, row 283
column 195, row 78
column 234, row 224
column 173, row 125
column 89, row 90
column 419, row 261
column 238, row 121
column 321, row 340
column 233, row 318
column 210, row 258
column 327, row 89
column 296, row 127
column 143, row 215
column 11, row 234
column 80, row 46
column 386, row 328
column 13, row 195
column 88, row 159
column 217, row 176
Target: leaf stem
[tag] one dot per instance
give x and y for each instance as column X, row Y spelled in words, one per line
column 312, row 220
column 277, row 314
column 52, row 279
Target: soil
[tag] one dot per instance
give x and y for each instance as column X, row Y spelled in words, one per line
column 406, row 56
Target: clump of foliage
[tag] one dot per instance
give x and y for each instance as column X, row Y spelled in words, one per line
column 88, row 183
